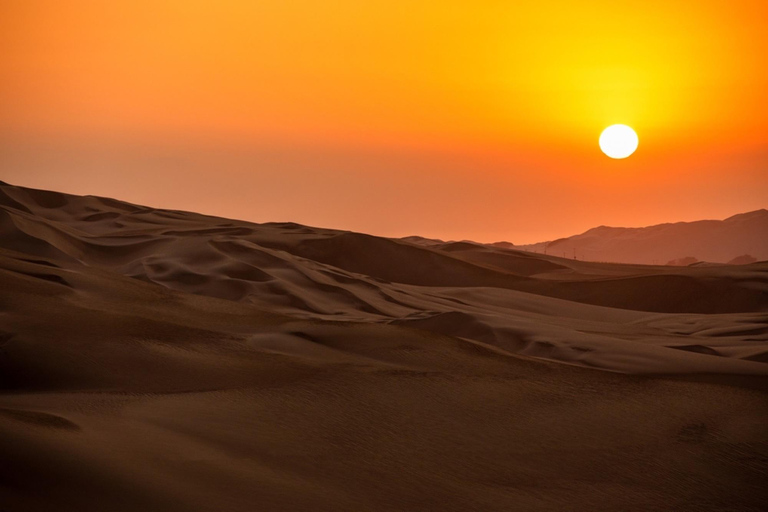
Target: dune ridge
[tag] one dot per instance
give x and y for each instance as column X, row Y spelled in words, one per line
column 335, row 275
column 162, row 360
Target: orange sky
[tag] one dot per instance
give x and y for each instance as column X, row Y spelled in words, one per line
column 449, row 119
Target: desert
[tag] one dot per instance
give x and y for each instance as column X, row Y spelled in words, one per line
column 157, row 359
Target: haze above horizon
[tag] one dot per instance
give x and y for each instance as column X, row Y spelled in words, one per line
column 392, row 118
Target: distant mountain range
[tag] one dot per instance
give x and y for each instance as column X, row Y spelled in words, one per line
column 740, row 239
column 737, row 240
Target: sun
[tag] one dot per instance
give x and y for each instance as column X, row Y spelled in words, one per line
column 618, row 141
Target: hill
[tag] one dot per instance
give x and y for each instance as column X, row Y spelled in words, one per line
column 715, row 241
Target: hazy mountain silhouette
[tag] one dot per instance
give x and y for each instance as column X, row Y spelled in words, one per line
column 739, row 239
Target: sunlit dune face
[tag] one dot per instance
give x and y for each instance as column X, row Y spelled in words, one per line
column 618, row 141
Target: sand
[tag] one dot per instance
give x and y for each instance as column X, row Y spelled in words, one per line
column 163, row 360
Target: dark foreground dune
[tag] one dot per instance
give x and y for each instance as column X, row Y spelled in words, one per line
column 163, row 360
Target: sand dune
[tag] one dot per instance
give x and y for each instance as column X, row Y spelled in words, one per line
column 163, row 360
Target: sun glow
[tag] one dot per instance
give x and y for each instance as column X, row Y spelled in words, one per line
column 268, row 109
column 618, row 141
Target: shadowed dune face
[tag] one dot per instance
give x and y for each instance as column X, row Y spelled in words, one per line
column 163, row 360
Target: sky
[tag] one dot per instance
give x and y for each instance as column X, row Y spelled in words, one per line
column 452, row 119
